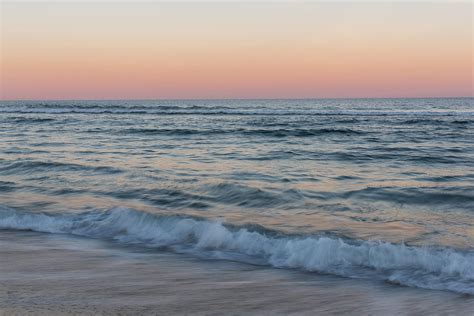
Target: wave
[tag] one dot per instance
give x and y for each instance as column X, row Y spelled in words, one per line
column 28, row 166
column 421, row 121
column 31, row 120
column 6, row 186
column 425, row 267
column 222, row 193
column 223, row 110
column 110, row 105
column 434, row 121
column 295, row 132
column 247, row 196
column 414, row 195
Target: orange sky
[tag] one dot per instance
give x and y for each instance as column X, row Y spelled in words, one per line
column 145, row 50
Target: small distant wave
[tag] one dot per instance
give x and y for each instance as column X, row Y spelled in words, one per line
column 294, row 132
column 29, row 166
column 222, row 110
column 425, row 267
column 434, row 121
column 246, row 196
column 298, row 132
column 410, row 155
column 6, row 186
column 415, row 196
column 223, row 193
column 462, row 122
column 421, row 121
column 31, row 120
column 58, row 108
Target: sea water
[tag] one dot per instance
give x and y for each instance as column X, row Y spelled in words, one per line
column 364, row 189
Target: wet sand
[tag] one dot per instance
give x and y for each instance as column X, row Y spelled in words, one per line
column 44, row 274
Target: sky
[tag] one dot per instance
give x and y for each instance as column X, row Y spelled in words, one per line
column 235, row 49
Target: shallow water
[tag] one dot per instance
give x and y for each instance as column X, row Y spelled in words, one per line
column 44, row 274
column 364, row 189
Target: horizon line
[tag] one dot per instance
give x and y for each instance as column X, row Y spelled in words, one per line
column 243, row 99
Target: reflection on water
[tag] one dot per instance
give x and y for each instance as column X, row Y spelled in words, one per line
column 394, row 170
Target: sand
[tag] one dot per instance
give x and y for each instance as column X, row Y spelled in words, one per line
column 44, row 274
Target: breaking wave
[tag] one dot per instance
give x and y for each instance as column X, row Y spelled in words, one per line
column 438, row 268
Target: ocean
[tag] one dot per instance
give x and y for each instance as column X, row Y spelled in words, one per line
column 358, row 205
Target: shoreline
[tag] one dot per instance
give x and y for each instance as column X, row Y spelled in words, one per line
column 59, row 275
